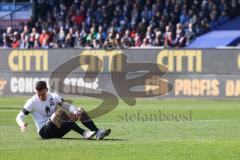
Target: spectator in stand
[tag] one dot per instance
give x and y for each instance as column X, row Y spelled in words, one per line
column 8, row 37
column 61, row 38
column 24, row 38
column 184, row 17
column 168, row 41
column 146, row 42
column 158, row 41
column 70, row 39
column 127, row 37
column 101, row 36
column 213, row 21
column 15, row 42
column 180, row 39
column 190, row 34
column 168, row 38
column 138, row 40
column 93, row 23
column 33, row 39
column 43, row 39
column 78, row 18
column 234, row 11
column 223, row 18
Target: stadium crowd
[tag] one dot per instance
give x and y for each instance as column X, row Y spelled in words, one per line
column 141, row 23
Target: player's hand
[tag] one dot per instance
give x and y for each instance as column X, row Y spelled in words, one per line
column 24, row 127
column 76, row 115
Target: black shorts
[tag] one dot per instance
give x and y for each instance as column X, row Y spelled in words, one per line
column 50, row 130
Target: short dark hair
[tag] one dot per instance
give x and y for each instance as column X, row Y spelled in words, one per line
column 41, row 85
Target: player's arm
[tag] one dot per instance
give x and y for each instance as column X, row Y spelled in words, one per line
column 20, row 119
column 68, row 106
column 28, row 107
column 74, row 112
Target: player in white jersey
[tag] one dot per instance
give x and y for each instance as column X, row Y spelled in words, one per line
column 49, row 119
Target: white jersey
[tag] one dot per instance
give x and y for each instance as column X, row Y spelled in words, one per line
column 41, row 111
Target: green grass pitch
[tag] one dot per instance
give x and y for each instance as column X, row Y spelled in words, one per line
column 212, row 132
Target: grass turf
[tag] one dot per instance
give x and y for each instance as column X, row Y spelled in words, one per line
column 211, row 131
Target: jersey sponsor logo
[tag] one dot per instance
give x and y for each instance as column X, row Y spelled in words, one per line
column 51, row 102
column 47, row 109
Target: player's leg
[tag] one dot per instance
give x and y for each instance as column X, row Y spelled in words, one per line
column 62, row 121
column 52, row 129
column 56, row 118
column 68, row 126
column 88, row 122
column 56, row 128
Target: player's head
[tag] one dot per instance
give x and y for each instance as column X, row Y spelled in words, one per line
column 41, row 88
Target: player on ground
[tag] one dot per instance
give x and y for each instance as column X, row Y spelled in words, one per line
column 49, row 120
